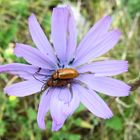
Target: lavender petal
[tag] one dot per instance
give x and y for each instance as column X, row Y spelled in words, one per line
column 55, row 126
column 64, row 96
column 105, row 68
column 56, row 106
column 23, row 70
column 107, row 42
column 72, row 38
column 44, row 107
column 40, row 38
column 94, row 35
column 93, row 102
column 106, row 85
column 59, row 30
column 72, row 105
column 24, row 88
column 33, row 56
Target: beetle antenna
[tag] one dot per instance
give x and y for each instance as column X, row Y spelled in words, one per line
column 39, row 74
column 71, row 61
column 34, row 75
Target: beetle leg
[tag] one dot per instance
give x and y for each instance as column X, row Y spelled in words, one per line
column 44, row 87
column 71, row 92
column 34, row 75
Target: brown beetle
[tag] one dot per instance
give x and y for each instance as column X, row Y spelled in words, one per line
column 62, row 77
column 57, row 82
column 66, row 73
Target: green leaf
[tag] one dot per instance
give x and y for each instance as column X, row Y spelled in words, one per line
column 80, row 108
column 74, row 137
column 31, row 114
column 2, row 128
column 114, row 123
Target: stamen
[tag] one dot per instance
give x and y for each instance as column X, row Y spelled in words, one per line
column 58, row 65
column 58, row 59
column 71, row 61
column 63, row 66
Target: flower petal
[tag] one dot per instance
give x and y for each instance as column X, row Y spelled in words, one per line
column 56, row 106
column 44, row 106
column 72, row 38
column 65, row 95
column 106, row 85
column 24, row 88
column 33, row 56
column 93, row 102
column 40, row 38
column 93, row 35
column 60, row 32
column 70, row 106
column 105, row 68
column 23, row 75
column 103, row 45
column 24, row 71
column 55, row 126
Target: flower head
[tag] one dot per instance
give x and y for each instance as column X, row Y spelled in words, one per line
column 66, row 72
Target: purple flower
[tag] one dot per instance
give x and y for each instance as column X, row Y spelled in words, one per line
column 62, row 96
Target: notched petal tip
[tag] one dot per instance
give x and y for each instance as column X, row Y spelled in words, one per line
column 109, row 116
column 108, row 18
column 117, row 32
column 17, row 45
column 32, row 16
column 60, row 7
column 56, row 126
column 41, row 125
column 2, row 69
column 128, row 90
column 126, row 65
column 63, row 6
column 5, row 90
column 43, row 109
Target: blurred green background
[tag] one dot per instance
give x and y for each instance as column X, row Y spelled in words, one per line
column 18, row 115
